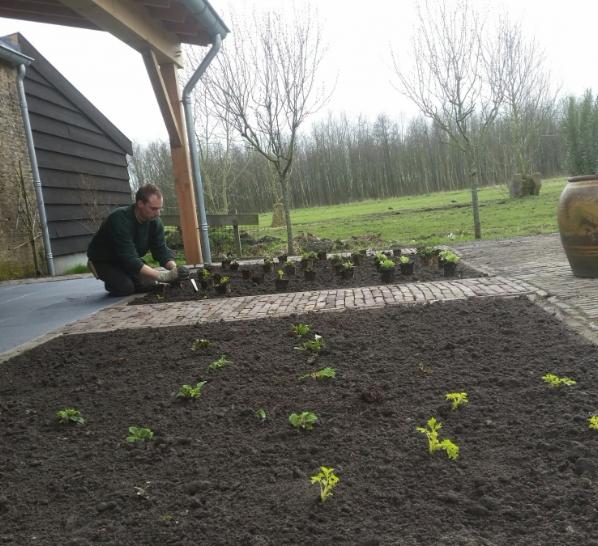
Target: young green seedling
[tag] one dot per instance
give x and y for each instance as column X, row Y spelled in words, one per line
column 556, row 381
column 314, row 345
column 457, row 399
column 200, row 344
column 189, row 391
column 593, row 422
column 280, row 274
column 261, row 414
column 431, row 432
column 301, row 330
column 220, row 363
column 138, row 434
column 304, row 420
column 70, row 415
column 320, row 374
column 327, row 481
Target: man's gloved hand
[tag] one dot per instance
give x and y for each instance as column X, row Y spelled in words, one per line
column 183, row 273
column 169, row 276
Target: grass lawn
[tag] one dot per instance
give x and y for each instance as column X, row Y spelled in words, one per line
column 438, row 218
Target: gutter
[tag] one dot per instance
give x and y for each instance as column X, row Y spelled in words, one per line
column 216, row 28
column 22, row 61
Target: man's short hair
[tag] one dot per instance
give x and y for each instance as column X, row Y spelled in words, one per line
column 144, row 192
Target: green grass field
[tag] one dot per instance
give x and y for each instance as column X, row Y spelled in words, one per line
column 438, row 218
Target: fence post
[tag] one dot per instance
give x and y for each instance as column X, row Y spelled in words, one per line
column 236, row 237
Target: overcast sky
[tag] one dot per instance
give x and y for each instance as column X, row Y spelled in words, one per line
column 359, row 34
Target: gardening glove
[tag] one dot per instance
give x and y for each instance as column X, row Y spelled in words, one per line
column 168, row 276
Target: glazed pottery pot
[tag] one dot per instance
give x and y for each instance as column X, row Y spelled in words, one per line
column 578, row 224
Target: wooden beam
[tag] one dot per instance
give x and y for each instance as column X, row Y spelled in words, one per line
column 132, row 23
column 166, row 107
column 181, row 166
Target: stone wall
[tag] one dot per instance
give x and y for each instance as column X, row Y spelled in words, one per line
column 18, row 205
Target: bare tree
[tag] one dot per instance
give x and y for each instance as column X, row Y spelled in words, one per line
column 528, row 96
column 456, row 79
column 265, row 83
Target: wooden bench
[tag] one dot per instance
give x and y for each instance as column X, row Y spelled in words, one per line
column 219, row 220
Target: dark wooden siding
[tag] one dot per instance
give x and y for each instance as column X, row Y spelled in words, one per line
column 82, row 160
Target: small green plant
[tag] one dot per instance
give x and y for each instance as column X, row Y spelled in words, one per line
column 306, row 256
column 327, row 481
column 261, row 414
column 280, row 274
column 320, row 374
column 431, row 432
column 555, row 381
column 305, row 420
column 70, row 415
column 404, row 259
column 424, row 252
column 314, row 345
column 347, row 265
column 379, row 257
column 222, row 281
column 200, row 343
column 387, row 264
column 188, row 391
column 139, row 434
column 301, row 330
column 457, row 399
column 268, row 260
column 204, row 273
column 593, row 422
column 219, row 363
column 449, row 257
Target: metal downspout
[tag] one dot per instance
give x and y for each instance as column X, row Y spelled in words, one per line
column 194, row 147
column 35, row 170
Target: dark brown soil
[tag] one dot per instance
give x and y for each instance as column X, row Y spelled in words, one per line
column 326, row 279
column 216, row 475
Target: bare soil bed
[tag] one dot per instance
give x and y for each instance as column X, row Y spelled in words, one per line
column 215, row 474
column 326, row 278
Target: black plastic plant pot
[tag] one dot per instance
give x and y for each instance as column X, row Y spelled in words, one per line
column 309, row 275
column 234, row 266
column 222, row 288
column 207, row 284
column 449, row 269
column 387, row 275
column 307, row 263
column 281, row 284
column 225, row 264
column 346, row 274
column 282, row 258
column 407, row 269
column 322, row 255
column 396, row 252
column 246, row 274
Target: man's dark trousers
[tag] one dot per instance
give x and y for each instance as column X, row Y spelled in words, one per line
column 118, row 282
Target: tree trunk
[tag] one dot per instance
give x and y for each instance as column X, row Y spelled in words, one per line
column 287, row 213
column 475, row 206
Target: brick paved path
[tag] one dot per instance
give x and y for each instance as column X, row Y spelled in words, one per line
column 540, row 262
column 250, row 307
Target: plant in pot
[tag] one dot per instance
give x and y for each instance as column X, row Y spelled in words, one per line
column 406, row 265
column 290, row 268
column 449, row 263
column 222, row 285
column 357, row 258
column 396, row 250
column 387, row 270
column 281, row 282
column 322, row 255
column 225, row 261
column 425, row 255
column 308, row 259
column 379, row 257
column 267, row 266
column 204, row 276
column 309, row 274
column 234, row 264
column 282, row 258
column 347, row 270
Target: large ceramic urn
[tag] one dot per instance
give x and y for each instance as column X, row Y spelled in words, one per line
column 578, row 224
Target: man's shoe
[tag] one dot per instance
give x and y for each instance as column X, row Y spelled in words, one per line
column 92, row 268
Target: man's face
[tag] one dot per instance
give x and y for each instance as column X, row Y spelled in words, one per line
column 151, row 209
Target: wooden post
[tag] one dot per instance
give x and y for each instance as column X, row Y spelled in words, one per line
column 181, row 165
column 236, row 237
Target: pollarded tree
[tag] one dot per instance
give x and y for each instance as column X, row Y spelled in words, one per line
column 455, row 79
column 265, row 81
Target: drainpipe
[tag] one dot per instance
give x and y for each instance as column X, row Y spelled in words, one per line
column 34, row 169
column 194, row 147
